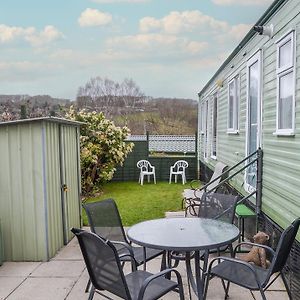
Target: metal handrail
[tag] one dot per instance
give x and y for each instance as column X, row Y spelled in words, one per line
column 257, row 191
column 230, row 169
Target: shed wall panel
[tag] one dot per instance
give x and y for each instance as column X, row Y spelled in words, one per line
column 70, row 170
column 53, row 179
column 22, row 198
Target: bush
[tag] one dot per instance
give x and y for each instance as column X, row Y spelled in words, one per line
column 102, row 147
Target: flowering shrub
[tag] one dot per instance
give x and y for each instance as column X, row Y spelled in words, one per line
column 102, row 148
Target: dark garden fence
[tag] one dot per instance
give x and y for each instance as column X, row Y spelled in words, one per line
column 162, row 151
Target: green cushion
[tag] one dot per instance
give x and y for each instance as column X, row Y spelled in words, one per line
column 244, row 211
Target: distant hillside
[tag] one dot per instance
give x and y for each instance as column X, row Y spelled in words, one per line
column 162, row 116
column 35, row 100
column 156, row 115
column 13, row 107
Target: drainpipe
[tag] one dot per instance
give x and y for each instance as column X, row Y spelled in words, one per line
column 259, row 181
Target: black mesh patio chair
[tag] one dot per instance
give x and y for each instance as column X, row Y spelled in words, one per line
column 104, row 220
column 192, row 197
column 251, row 276
column 218, row 207
column 104, row 267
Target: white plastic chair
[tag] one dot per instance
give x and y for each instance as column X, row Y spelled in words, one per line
column 178, row 169
column 146, row 169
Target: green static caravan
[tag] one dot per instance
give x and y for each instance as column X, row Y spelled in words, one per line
column 40, row 186
column 252, row 101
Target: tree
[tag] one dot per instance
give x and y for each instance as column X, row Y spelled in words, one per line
column 105, row 95
column 102, row 147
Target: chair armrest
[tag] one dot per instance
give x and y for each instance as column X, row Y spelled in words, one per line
column 155, row 276
column 253, row 244
column 130, row 254
column 233, row 261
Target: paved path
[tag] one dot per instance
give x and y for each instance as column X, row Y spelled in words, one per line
column 65, row 277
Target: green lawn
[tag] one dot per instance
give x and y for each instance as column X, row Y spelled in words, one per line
column 137, row 203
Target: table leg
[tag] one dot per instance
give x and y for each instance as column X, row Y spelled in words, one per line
column 163, row 265
column 196, row 281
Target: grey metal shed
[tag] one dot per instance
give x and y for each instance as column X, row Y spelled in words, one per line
column 39, row 186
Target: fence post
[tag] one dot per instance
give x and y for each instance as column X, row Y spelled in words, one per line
column 147, row 137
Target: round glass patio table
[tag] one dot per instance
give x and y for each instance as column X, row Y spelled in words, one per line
column 186, row 235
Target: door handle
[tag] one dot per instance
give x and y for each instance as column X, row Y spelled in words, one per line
column 64, row 187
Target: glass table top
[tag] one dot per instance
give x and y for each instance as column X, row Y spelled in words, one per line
column 183, row 234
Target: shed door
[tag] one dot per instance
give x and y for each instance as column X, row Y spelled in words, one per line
column 253, row 124
column 70, row 180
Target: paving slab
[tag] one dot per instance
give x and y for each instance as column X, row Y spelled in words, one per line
column 18, row 269
column 9, row 284
column 43, row 289
column 274, row 295
column 70, row 251
column 56, row 268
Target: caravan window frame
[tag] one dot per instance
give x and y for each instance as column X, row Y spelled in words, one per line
column 214, row 125
column 281, row 72
column 234, row 129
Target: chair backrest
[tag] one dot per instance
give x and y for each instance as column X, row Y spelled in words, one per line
column 219, row 169
column 180, row 165
column 103, row 263
column 105, row 220
column 144, row 165
column 284, row 247
column 218, row 206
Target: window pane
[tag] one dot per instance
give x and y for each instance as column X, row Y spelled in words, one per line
column 285, row 57
column 236, row 104
column 285, row 105
column 231, row 104
column 253, row 92
column 214, row 126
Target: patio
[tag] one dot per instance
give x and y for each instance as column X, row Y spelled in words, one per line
column 65, row 277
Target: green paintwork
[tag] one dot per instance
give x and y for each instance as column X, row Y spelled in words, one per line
column 281, row 154
column 243, row 211
column 30, row 182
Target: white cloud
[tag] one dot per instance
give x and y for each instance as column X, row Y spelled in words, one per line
column 29, row 34
column 46, row 36
column 93, row 17
column 186, row 21
column 144, row 44
column 10, row 33
column 242, row 2
column 239, row 31
column 26, row 70
column 120, row 1
column 148, row 24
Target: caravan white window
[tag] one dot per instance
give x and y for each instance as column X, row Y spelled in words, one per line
column 233, row 105
column 285, row 85
column 214, row 126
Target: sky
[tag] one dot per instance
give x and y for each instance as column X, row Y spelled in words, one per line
column 170, row 48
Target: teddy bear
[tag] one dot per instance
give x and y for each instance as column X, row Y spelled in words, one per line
column 257, row 255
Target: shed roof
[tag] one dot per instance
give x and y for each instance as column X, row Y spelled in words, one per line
column 47, row 119
column 263, row 19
